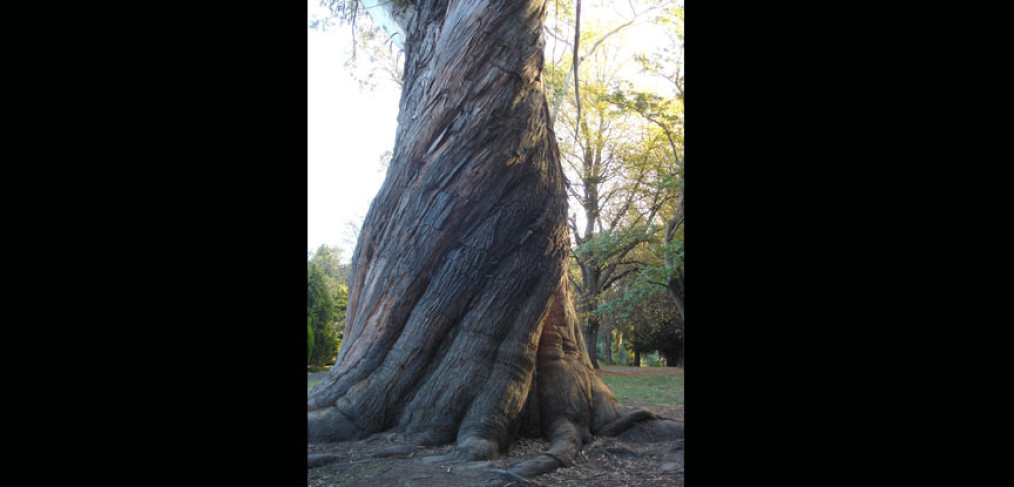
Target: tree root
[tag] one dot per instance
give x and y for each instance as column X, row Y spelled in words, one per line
column 653, row 431
column 330, row 424
column 626, row 422
column 514, row 476
column 638, row 425
column 315, row 460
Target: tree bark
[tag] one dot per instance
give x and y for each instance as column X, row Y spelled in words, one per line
column 592, row 327
column 675, row 284
column 619, row 344
column 589, row 300
column 460, row 325
column 607, row 345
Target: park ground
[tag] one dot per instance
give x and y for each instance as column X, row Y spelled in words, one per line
column 605, row 462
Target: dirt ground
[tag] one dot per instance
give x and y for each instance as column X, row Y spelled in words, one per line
column 606, row 462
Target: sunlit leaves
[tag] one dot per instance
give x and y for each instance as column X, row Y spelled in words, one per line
column 326, row 301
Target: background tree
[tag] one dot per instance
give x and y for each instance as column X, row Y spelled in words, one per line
column 309, row 337
column 648, row 318
column 334, row 275
column 460, row 322
column 613, row 177
column 667, row 114
column 322, row 315
column 616, row 164
column 560, row 65
column 329, row 259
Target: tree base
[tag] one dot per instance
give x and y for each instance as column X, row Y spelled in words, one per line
column 605, row 462
column 567, row 404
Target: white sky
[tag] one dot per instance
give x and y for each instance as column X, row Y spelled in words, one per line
column 349, row 129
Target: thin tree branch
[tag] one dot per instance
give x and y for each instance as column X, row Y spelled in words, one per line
column 620, row 276
column 577, row 60
column 573, row 229
column 566, row 83
column 554, row 36
column 675, row 221
column 620, row 255
column 573, row 282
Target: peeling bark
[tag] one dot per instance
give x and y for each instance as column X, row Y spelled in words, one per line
column 460, row 327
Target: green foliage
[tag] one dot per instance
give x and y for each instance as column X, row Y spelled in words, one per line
column 652, row 359
column 646, row 315
column 329, row 259
column 341, row 297
column 322, row 315
column 622, row 354
column 327, row 298
column 309, row 337
column 554, row 78
column 619, row 351
column 600, row 350
column 606, row 247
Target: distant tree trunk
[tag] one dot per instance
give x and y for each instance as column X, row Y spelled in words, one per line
column 608, row 345
column 675, row 284
column 674, row 352
column 682, row 346
column 637, row 358
column 593, row 333
column 673, row 357
column 589, row 303
column 460, row 325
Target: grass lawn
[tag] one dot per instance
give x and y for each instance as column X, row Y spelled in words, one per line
column 656, row 386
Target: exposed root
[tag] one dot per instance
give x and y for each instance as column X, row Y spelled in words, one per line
column 445, row 459
column 653, row 430
column 566, row 443
column 329, row 424
column 315, row 460
column 395, row 451
column 538, row 465
column 474, row 449
column 514, row 476
column 625, row 422
column 565, row 402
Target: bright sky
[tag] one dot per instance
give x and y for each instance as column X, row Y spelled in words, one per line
column 348, row 131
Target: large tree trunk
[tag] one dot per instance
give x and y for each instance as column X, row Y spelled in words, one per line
column 460, row 327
